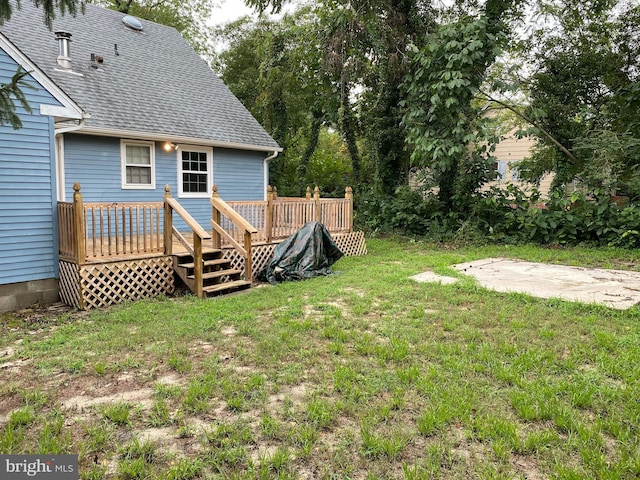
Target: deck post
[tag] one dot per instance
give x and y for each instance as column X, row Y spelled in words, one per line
column 348, row 194
column 248, row 260
column 197, row 265
column 215, row 218
column 78, row 225
column 316, row 201
column 168, row 222
column 268, row 215
column 307, row 195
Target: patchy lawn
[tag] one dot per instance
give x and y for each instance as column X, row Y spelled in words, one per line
column 365, row 374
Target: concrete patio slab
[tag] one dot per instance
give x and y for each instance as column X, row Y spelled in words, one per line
column 614, row 288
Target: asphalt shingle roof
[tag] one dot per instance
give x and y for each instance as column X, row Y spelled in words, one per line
column 154, row 84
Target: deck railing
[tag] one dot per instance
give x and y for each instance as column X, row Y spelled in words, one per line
column 279, row 217
column 101, row 231
column 222, row 218
column 95, row 232
column 199, row 234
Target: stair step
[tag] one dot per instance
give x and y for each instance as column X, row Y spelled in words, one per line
column 227, row 286
column 205, row 251
column 216, row 274
column 207, row 263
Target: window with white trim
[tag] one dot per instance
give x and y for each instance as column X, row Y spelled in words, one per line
column 515, row 174
column 501, row 170
column 194, row 171
column 138, row 164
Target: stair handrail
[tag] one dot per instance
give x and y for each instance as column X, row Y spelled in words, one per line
column 219, row 207
column 199, row 234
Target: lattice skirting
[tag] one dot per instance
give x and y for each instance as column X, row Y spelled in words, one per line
column 102, row 284
column 69, row 284
column 351, row 244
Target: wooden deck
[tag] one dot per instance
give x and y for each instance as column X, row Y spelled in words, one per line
column 114, row 252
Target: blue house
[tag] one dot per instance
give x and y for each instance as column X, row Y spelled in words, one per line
column 122, row 106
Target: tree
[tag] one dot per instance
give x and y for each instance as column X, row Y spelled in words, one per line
column 447, row 131
column 582, row 95
column 12, row 91
column 48, row 9
column 273, row 69
column 9, row 92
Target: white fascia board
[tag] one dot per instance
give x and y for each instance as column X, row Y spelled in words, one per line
column 71, row 108
column 57, row 111
column 108, row 132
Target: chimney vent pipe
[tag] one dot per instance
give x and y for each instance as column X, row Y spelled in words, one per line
column 64, row 57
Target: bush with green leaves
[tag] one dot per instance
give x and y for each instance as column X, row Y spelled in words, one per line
column 506, row 216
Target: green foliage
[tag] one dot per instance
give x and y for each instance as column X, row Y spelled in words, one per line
column 441, row 117
column 11, row 92
column 275, row 72
column 48, row 7
column 407, row 212
column 506, row 216
column 510, row 215
column 584, row 94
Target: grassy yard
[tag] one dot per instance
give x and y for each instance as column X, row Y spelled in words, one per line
column 364, row 374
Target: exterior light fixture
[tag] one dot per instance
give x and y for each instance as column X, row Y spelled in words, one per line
column 168, row 146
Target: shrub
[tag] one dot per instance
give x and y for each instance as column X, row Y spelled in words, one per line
column 505, row 215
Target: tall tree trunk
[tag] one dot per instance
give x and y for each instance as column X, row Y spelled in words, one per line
column 314, row 136
column 348, row 128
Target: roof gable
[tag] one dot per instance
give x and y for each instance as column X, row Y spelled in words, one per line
column 150, row 82
column 67, row 108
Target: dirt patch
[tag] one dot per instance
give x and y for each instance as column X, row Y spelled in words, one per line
column 528, row 466
column 229, row 331
column 141, row 396
column 171, row 379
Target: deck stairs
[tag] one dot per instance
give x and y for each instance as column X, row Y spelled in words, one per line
column 218, row 275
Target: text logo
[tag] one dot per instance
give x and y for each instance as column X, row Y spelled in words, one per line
column 44, row 467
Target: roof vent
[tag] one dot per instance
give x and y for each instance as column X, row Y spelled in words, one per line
column 64, row 57
column 132, row 22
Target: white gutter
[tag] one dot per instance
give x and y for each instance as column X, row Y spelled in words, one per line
column 71, row 128
column 59, row 154
column 265, row 162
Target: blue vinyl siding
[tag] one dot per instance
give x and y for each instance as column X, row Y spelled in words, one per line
column 94, row 162
column 239, row 174
column 28, row 230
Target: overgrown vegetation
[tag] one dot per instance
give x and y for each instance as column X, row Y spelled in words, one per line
column 506, row 215
column 365, row 374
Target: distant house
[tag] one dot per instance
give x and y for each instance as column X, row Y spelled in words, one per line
column 509, row 152
column 123, row 106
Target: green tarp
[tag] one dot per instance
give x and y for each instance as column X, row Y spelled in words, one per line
column 307, row 253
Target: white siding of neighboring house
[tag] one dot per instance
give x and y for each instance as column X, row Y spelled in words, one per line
column 509, row 152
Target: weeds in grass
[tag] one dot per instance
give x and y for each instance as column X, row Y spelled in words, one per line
column 22, row 417
column 179, row 362
column 360, row 375
column 159, row 416
column 184, row 469
column 320, row 412
column 117, row 413
column 97, row 437
column 389, row 444
column 139, row 449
